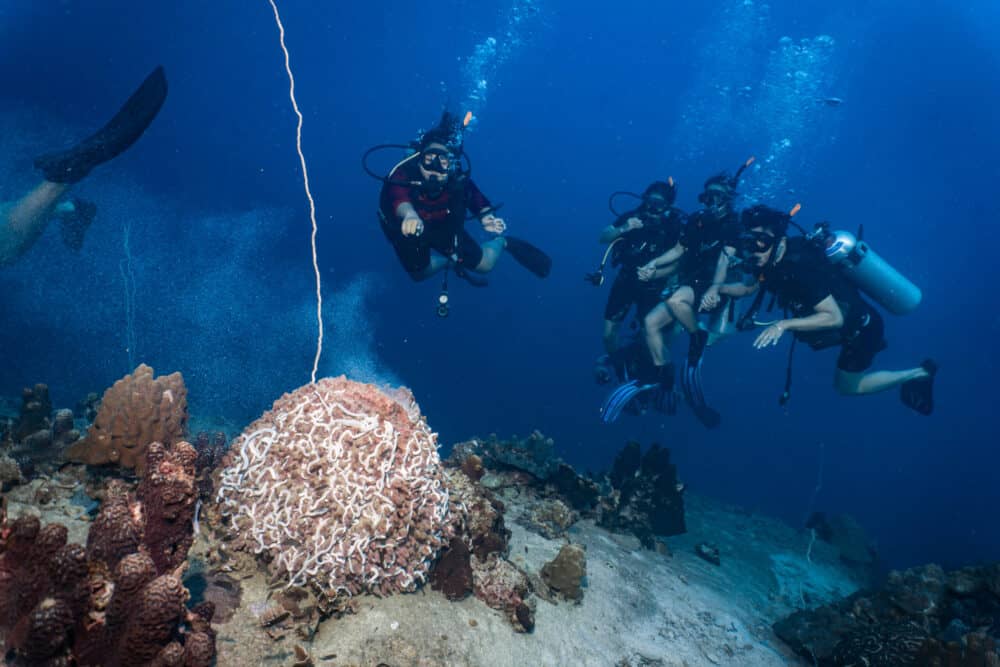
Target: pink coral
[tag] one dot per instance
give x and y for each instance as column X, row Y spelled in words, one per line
column 340, row 486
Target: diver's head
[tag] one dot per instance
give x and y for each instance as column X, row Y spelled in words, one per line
column 447, row 133
column 718, row 194
column 436, row 163
column 764, row 240
column 659, row 196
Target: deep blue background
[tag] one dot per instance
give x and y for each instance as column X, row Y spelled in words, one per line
column 589, row 103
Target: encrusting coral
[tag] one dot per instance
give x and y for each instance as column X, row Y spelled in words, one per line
column 340, row 487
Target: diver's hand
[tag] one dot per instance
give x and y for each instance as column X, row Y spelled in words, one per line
column 633, row 223
column 646, row 272
column 412, row 226
column 493, row 224
column 711, row 298
column 770, row 335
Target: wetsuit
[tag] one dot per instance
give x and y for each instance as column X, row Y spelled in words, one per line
column 704, row 237
column 443, row 216
column 801, row 280
column 659, row 233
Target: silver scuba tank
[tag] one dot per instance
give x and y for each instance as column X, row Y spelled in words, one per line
column 872, row 274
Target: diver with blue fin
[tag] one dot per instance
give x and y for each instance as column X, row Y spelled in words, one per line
column 22, row 222
column 817, row 280
column 422, row 212
column 707, row 245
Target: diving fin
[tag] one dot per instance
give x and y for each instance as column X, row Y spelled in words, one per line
column 919, row 394
column 71, row 165
column 694, row 395
column 529, row 256
column 618, row 399
column 708, row 417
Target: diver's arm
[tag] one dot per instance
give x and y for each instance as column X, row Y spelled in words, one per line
column 612, row 232
column 411, row 223
column 711, row 297
column 406, row 210
column 827, row 315
column 737, row 290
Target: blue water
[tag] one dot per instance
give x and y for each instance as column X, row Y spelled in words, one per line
column 579, row 99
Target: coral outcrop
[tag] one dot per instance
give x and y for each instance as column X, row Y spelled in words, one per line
column 922, row 616
column 647, row 498
column 339, row 487
column 158, row 516
column 135, row 412
column 565, row 573
column 59, row 606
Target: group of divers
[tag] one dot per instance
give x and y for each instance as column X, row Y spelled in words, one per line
column 674, row 268
column 677, row 270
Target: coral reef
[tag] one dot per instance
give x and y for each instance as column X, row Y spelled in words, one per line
column 158, row 516
column 452, row 574
column 211, row 446
column 646, row 498
column 922, row 616
column 549, row 517
column 502, row 586
column 135, row 412
column 58, row 607
column 340, row 487
column 35, row 414
column 10, row 472
column 534, row 454
column 565, row 573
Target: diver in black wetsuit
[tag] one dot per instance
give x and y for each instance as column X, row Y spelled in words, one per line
column 823, row 309
column 643, row 244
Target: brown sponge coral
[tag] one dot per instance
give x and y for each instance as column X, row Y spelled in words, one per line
column 136, row 411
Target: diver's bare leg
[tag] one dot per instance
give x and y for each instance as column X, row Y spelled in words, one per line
column 855, row 384
column 654, row 323
column 491, row 253
column 25, row 221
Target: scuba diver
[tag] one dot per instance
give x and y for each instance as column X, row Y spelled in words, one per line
column 22, row 222
column 643, row 244
column 422, row 211
column 708, row 243
column 823, row 304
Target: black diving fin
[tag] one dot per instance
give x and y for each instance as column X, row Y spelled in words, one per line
column 919, row 394
column 71, row 165
column 529, row 256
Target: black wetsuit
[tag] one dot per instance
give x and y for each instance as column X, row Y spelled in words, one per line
column 704, row 238
column 801, row 280
column 637, row 247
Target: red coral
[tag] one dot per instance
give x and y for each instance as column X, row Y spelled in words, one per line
column 55, row 606
column 159, row 517
column 168, row 494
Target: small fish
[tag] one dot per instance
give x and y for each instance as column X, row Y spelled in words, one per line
column 831, row 101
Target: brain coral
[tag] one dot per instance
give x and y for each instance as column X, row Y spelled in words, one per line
column 339, row 486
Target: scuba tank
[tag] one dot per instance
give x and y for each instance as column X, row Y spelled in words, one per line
column 868, row 271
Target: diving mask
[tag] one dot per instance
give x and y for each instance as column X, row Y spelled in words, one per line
column 756, row 243
column 437, row 161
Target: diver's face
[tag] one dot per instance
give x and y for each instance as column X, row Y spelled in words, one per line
column 760, row 245
column 718, row 204
column 656, row 204
column 436, row 163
